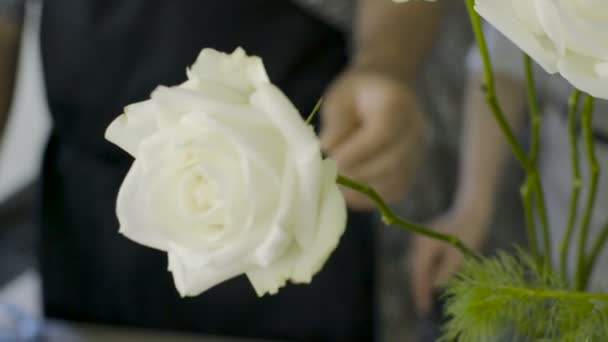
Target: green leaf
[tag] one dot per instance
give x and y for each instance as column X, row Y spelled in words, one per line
column 515, row 297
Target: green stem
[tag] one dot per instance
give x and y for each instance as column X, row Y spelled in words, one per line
column 539, row 198
column 534, row 109
column 315, row 110
column 598, row 246
column 490, row 87
column 594, row 168
column 532, row 179
column 576, row 182
column 389, row 217
column 544, row 293
column 526, row 197
column 526, row 163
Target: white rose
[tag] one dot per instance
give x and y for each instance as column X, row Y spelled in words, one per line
column 565, row 36
column 228, row 179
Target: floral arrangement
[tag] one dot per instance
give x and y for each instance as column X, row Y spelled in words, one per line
column 229, row 180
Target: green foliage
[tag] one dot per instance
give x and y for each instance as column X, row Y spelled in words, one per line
column 514, row 297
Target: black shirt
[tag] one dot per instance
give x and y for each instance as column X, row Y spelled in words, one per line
column 100, row 55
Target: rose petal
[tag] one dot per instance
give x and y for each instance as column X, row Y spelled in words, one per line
column 526, row 12
column 272, row 247
column 301, row 265
column 502, row 15
column 139, row 121
column 581, row 72
column 551, row 20
column 262, row 154
column 135, row 221
column 268, row 280
column 191, row 279
column 304, row 145
column 180, row 100
column 332, row 223
column 582, row 33
column 236, row 71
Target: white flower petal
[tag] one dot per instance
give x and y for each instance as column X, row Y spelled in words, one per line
column 601, row 69
column 309, row 194
column 191, row 279
column 582, row 73
column 501, row 14
column 527, row 12
column 228, row 179
column 305, row 147
column 134, row 217
column 268, row 99
column 139, row 121
column 332, row 223
column 551, row 21
column 180, row 100
column 583, row 34
column 272, row 247
column 236, row 71
column 268, row 280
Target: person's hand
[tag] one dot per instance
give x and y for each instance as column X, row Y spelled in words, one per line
column 373, row 129
column 434, row 262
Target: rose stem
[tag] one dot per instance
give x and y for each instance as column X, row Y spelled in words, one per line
column 576, row 181
column 597, row 249
column 594, row 169
column 525, row 190
column 526, row 163
column 315, row 110
column 389, row 217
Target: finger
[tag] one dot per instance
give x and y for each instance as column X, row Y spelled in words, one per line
column 390, row 181
column 338, row 119
column 359, row 148
column 426, row 258
column 382, row 121
column 450, row 265
column 397, row 160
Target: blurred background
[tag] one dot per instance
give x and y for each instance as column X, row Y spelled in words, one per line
column 441, row 86
column 20, row 157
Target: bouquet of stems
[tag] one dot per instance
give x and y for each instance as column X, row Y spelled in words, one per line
column 527, row 295
column 229, row 180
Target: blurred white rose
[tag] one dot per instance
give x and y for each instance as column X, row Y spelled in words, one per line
column 228, row 179
column 565, row 36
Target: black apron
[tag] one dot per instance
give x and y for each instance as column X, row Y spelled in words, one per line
column 98, row 56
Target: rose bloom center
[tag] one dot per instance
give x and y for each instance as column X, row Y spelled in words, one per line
column 199, row 198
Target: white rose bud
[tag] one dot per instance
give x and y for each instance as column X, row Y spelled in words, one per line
column 228, row 179
column 565, row 36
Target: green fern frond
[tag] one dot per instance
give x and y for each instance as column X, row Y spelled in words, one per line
column 515, row 297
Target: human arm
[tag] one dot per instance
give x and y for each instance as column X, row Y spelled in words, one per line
column 11, row 20
column 371, row 123
column 484, row 151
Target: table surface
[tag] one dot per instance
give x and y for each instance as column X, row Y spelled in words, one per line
column 22, row 297
column 56, row 331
